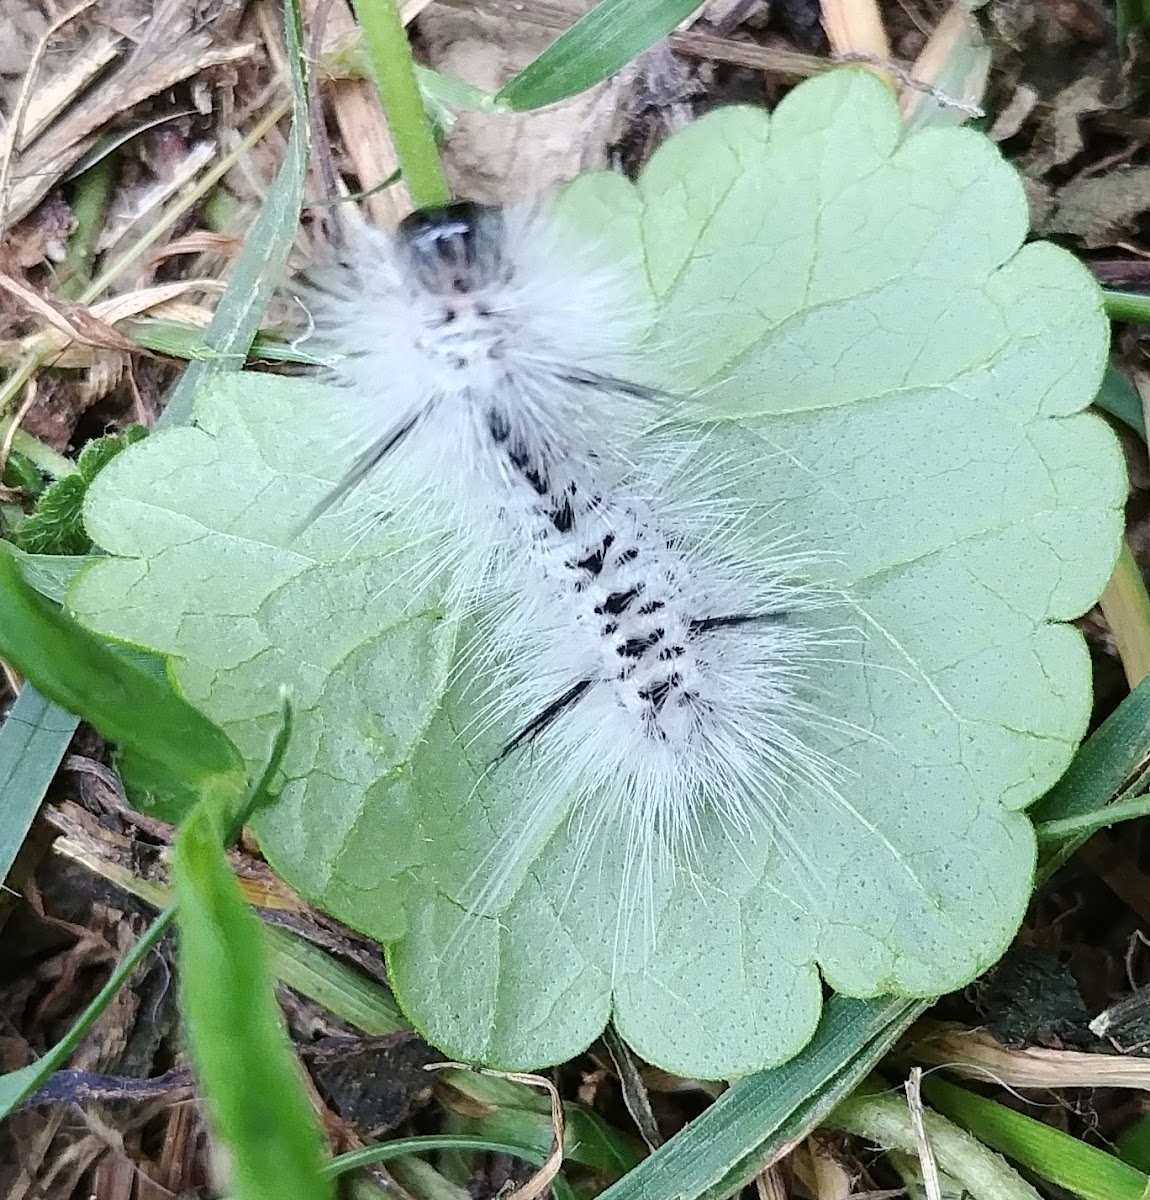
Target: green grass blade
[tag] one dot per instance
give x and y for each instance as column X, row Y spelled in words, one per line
column 1120, row 399
column 341, row 990
column 389, row 1151
column 1084, row 1170
column 33, row 740
column 177, row 339
column 593, row 49
column 260, row 266
column 1107, row 760
column 243, row 1058
column 172, row 748
column 757, row 1117
column 17, row 1086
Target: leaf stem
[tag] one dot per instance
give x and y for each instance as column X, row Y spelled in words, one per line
column 1091, row 822
column 394, row 70
column 1127, row 306
column 1126, row 607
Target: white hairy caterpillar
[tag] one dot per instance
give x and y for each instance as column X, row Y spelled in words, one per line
column 653, row 660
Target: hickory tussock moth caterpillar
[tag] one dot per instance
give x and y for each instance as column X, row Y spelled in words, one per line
column 652, row 660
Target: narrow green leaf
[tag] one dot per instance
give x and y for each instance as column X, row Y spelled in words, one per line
column 33, row 740
column 755, row 1119
column 51, row 574
column 89, row 204
column 1134, row 1145
column 1131, row 17
column 1120, row 399
column 1048, row 1152
column 177, row 339
column 260, row 266
column 17, row 1086
column 1107, row 760
column 594, row 48
column 588, row 1140
column 349, row 995
column 243, row 1057
column 388, row 1151
column 170, row 746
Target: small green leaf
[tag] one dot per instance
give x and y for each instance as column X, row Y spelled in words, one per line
column 20, row 472
column 56, row 526
column 243, row 1058
column 600, row 43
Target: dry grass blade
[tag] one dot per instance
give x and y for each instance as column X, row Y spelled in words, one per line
column 951, row 70
column 926, row 1161
column 974, row 1054
column 65, row 352
column 769, row 1185
column 53, row 96
column 167, row 50
column 635, row 1096
column 76, row 322
column 16, row 126
column 541, row 1181
column 855, row 28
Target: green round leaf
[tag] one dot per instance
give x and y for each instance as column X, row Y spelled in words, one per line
column 884, row 370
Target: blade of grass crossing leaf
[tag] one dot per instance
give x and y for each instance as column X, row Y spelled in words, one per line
column 243, row 1058
column 755, row 1119
column 33, row 740
column 593, row 49
column 259, row 268
column 179, row 340
column 17, row 1086
column 1084, row 1170
column 172, row 746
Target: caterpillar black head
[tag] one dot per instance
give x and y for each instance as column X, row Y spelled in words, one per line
column 454, row 249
